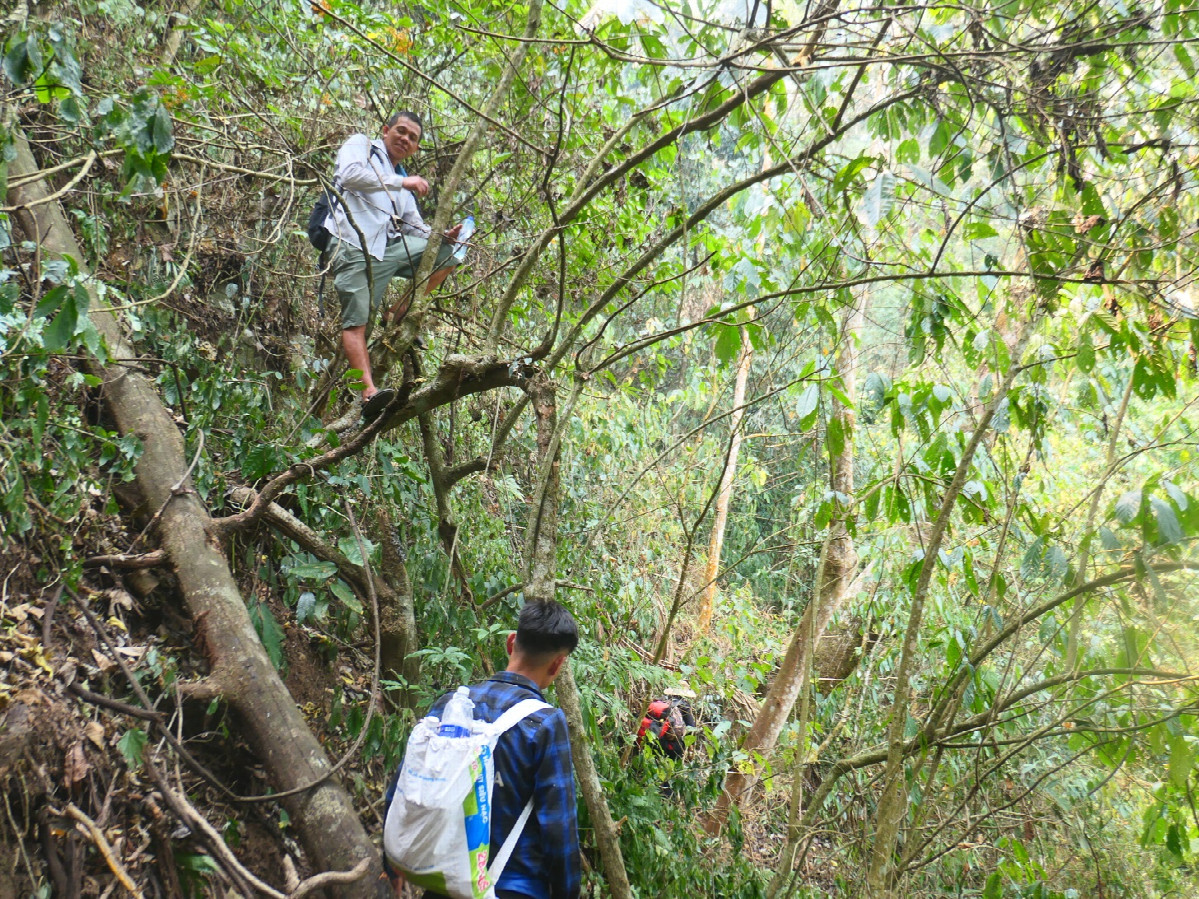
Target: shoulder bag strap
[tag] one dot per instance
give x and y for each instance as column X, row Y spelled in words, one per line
column 506, row 721
column 514, row 716
column 496, row 868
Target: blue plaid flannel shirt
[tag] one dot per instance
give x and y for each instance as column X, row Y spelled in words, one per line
column 532, row 759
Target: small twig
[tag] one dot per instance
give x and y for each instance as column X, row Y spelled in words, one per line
column 66, row 189
column 374, row 597
column 183, row 267
column 12, row 820
column 188, row 814
column 175, row 742
column 327, row 878
column 54, row 169
column 58, row 874
column 114, row 704
column 496, row 597
column 572, row 586
column 110, row 858
column 48, row 616
column 176, row 490
column 127, row 561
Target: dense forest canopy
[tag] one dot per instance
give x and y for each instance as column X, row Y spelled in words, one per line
column 834, row 363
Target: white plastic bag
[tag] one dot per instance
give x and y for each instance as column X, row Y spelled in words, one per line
column 438, row 828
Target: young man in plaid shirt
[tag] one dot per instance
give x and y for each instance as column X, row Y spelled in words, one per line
column 532, row 759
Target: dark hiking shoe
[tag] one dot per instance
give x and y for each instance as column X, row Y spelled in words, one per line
column 376, row 404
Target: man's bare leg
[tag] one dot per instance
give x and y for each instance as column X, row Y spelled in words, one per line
column 437, row 277
column 353, row 341
column 400, row 308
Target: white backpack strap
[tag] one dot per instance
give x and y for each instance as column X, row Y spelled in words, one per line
column 506, row 722
column 514, row 716
column 501, row 858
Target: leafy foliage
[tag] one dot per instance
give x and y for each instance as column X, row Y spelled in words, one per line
column 1004, row 192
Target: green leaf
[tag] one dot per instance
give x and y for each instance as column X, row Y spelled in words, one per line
column 23, row 61
column 1128, row 506
column 1174, row 841
column 953, row 652
column 850, row 171
column 879, row 198
column 351, row 550
column 872, row 502
column 808, row 406
column 908, row 151
column 836, row 436
column 161, row 136
column 938, row 139
column 1167, row 520
column 269, row 632
column 1091, row 202
column 1182, row 760
column 342, row 591
column 1109, row 540
column 314, row 570
column 653, row 46
column 978, row 231
column 69, row 308
column 305, row 605
column 728, row 342
column 1086, row 353
column 47, row 89
column 200, row 864
column 132, row 745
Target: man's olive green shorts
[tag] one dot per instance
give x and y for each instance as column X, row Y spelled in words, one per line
column 401, row 259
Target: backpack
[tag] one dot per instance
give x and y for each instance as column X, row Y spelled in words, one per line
column 438, row 827
column 318, row 234
column 665, row 722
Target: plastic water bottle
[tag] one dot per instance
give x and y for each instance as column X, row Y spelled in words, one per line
column 468, row 228
column 458, row 714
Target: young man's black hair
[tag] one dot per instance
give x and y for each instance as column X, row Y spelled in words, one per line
column 545, row 628
column 406, row 114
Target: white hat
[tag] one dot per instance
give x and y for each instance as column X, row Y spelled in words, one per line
column 680, row 690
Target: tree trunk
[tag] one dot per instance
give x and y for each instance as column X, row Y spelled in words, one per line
column 838, row 564
column 716, row 544
column 541, row 549
column 241, row 673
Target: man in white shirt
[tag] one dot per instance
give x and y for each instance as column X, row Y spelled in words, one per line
column 378, row 234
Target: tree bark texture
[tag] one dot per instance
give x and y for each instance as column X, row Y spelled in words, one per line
column 447, row 527
column 324, row 817
column 837, row 568
column 541, row 550
column 724, row 498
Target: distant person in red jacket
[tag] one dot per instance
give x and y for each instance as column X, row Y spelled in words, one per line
column 664, row 727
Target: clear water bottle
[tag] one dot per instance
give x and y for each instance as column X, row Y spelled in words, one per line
column 458, row 714
column 468, row 228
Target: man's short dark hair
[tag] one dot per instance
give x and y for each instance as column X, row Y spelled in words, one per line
column 410, row 116
column 546, row 628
